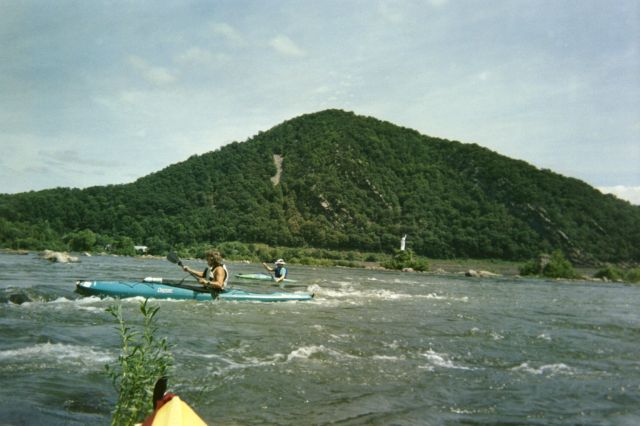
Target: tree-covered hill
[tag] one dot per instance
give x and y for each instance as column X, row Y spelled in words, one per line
column 345, row 182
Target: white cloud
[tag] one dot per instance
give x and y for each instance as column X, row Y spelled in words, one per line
column 629, row 193
column 284, row 45
column 200, row 57
column 155, row 75
column 229, row 33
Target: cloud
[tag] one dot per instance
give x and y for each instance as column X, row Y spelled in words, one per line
column 285, row 46
column 73, row 160
column 158, row 76
column 629, row 193
column 229, row 33
column 200, row 57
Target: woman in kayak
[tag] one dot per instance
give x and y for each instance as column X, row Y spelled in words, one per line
column 215, row 275
column 280, row 272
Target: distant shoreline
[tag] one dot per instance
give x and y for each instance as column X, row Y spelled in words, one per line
column 436, row 266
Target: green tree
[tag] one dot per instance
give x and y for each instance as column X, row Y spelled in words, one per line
column 124, row 246
column 554, row 266
column 83, row 240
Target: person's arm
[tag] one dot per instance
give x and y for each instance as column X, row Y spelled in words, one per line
column 267, row 267
column 196, row 274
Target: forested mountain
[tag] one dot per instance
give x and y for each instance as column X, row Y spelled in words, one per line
column 337, row 180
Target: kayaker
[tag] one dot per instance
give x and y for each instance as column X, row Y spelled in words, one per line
column 215, row 275
column 280, row 272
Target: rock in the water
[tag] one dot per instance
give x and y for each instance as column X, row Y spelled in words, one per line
column 485, row 274
column 60, row 257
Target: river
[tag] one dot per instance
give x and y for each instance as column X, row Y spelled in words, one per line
column 374, row 347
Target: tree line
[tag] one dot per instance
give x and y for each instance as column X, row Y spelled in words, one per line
column 348, row 183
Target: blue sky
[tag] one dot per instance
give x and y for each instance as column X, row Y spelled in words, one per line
column 104, row 92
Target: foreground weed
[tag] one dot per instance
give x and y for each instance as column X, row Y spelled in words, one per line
column 142, row 361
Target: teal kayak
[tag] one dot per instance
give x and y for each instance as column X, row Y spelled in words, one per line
column 177, row 290
column 262, row 277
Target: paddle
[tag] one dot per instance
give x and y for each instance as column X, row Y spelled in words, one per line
column 173, row 258
column 159, row 390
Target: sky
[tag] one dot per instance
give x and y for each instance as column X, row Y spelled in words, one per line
column 104, row 92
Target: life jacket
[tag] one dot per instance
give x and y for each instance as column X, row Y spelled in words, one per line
column 208, row 274
column 278, row 271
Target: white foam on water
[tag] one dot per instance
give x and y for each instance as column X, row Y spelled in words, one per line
column 340, row 337
column 388, row 358
column 56, row 353
column 545, row 370
column 364, row 294
column 221, row 364
column 306, row 352
column 87, row 300
column 392, row 345
column 434, row 296
column 224, row 364
column 60, row 300
column 314, row 288
column 437, row 360
column 496, row 336
column 390, row 295
column 92, row 309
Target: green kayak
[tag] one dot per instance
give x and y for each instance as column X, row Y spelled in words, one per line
column 261, row 277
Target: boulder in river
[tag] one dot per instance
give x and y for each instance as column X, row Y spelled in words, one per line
column 60, row 257
column 481, row 274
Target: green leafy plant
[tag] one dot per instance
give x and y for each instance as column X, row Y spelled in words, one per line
column 532, row 267
column 610, row 273
column 554, row 266
column 142, row 361
column 632, row 275
column 404, row 259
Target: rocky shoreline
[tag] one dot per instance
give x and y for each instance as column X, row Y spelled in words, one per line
column 468, row 267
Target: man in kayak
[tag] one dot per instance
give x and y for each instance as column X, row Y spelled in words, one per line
column 280, row 272
column 215, row 275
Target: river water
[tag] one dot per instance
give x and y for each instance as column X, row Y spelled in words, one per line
column 374, row 347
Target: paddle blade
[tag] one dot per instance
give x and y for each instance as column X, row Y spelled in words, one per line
column 173, row 258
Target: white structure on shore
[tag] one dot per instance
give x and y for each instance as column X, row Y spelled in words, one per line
column 403, row 242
